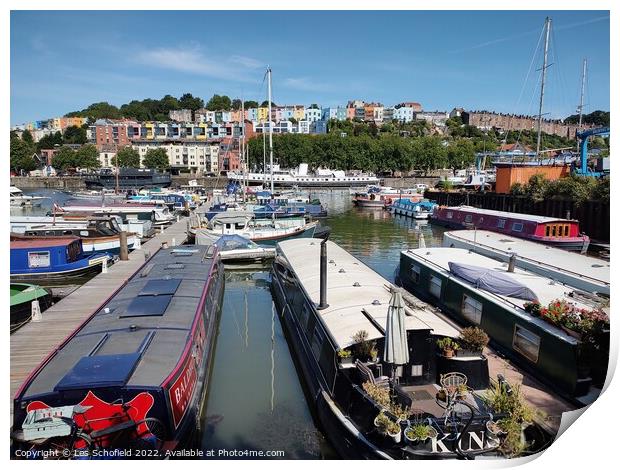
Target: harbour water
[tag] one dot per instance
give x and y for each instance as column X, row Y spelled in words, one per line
column 256, row 400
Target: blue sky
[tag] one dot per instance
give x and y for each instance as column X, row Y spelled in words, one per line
column 63, row 61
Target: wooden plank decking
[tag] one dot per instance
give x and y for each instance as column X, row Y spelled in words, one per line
column 33, row 342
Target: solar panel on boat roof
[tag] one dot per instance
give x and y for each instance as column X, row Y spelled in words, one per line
column 147, row 305
column 160, row 287
column 99, row 371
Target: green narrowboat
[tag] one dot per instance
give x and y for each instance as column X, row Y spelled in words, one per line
column 507, row 304
column 22, row 296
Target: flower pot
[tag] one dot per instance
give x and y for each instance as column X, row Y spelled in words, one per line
column 448, row 352
column 397, row 436
column 346, row 360
column 572, row 333
column 415, row 442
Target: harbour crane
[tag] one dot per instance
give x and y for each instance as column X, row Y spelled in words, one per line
column 583, row 137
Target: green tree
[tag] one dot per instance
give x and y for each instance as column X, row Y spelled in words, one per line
column 250, row 104
column 100, row 110
column 236, row 104
column 429, row 154
column 87, row 156
column 219, row 103
column 64, row 158
column 128, row 157
column 156, row 158
column 169, row 103
column 27, row 137
column 265, row 103
column 460, row 155
column 21, row 155
column 50, row 141
column 188, row 101
column 75, row 135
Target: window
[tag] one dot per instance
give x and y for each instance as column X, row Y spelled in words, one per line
column 547, row 230
column 415, row 273
column 38, row 259
column 317, row 342
column 468, row 218
column 435, row 286
column 501, row 223
column 553, row 230
column 517, row 227
column 472, row 309
column 566, row 230
column 526, row 343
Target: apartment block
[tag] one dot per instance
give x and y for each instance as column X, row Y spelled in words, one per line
column 180, row 115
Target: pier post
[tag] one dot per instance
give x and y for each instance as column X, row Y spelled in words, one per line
column 124, row 252
column 104, row 266
column 323, row 298
column 36, row 311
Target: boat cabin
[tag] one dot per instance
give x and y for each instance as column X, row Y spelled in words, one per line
column 45, row 253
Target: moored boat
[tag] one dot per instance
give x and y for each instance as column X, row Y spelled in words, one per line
column 522, row 312
column 237, row 251
column 134, row 375
column 158, row 214
column 577, row 270
column 22, row 296
column 19, row 199
column 418, row 210
column 336, row 312
column 562, row 233
column 54, row 261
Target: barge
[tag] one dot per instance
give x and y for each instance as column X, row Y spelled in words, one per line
column 577, row 270
column 561, row 233
column 521, row 311
column 335, row 314
column 135, row 373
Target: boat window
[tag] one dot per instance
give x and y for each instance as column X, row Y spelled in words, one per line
column 449, row 215
column 526, row 343
column 517, row 227
column 547, row 230
column 38, row 259
column 435, row 286
column 303, row 318
column 415, row 273
column 317, row 341
column 83, row 233
column 472, row 309
column 566, row 230
column 468, row 218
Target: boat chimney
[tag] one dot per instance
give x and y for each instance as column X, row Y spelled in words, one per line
column 511, row 263
column 323, row 295
column 568, row 215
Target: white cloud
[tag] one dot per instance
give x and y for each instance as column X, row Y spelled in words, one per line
column 304, row 84
column 248, row 62
column 191, row 60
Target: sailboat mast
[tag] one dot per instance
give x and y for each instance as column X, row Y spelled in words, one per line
column 542, row 85
column 270, row 127
column 242, row 147
column 583, row 86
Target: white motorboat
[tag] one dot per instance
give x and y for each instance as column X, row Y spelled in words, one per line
column 19, row 199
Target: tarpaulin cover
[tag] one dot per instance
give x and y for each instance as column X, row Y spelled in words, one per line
column 234, row 242
column 493, row 281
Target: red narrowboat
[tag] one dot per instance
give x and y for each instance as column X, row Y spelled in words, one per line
column 562, row 233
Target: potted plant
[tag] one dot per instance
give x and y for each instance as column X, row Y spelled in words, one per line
column 388, row 427
column 448, row 346
column 461, row 391
column 533, row 308
column 419, row 433
column 473, row 340
column 363, row 348
column 441, row 395
column 345, row 356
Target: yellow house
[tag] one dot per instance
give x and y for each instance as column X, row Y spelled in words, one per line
column 150, row 130
column 55, row 123
column 202, row 131
column 263, row 113
column 299, row 113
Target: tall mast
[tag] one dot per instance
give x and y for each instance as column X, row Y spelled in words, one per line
column 242, row 149
column 542, row 85
column 270, row 127
column 583, row 86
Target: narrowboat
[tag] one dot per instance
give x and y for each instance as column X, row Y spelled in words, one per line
column 135, row 373
column 562, row 233
column 577, row 270
column 521, row 311
column 54, row 261
column 334, row 314
column 22, row 296
column 100, row 235
column 420, row 210
column 263, row 232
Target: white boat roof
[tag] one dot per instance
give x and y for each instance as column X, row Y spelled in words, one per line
column 546, row 289
column 344, row 317
column 552, row 257
column 508, row 215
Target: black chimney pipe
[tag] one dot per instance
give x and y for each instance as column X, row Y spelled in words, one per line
column 323, row 301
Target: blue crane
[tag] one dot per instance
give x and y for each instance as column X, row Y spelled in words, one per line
column 583, row 136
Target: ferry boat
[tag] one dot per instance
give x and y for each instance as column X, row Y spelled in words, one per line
column 509, row 304
column 420, row 210
column 261, row 231
column 22, row 296
column 98, row 235
column 562, row 233
column 129, row 178
column 54, row 261
column 19, row 199
column 334, row 312
column 300, row 177
column 577, row 270
column 134, row 374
